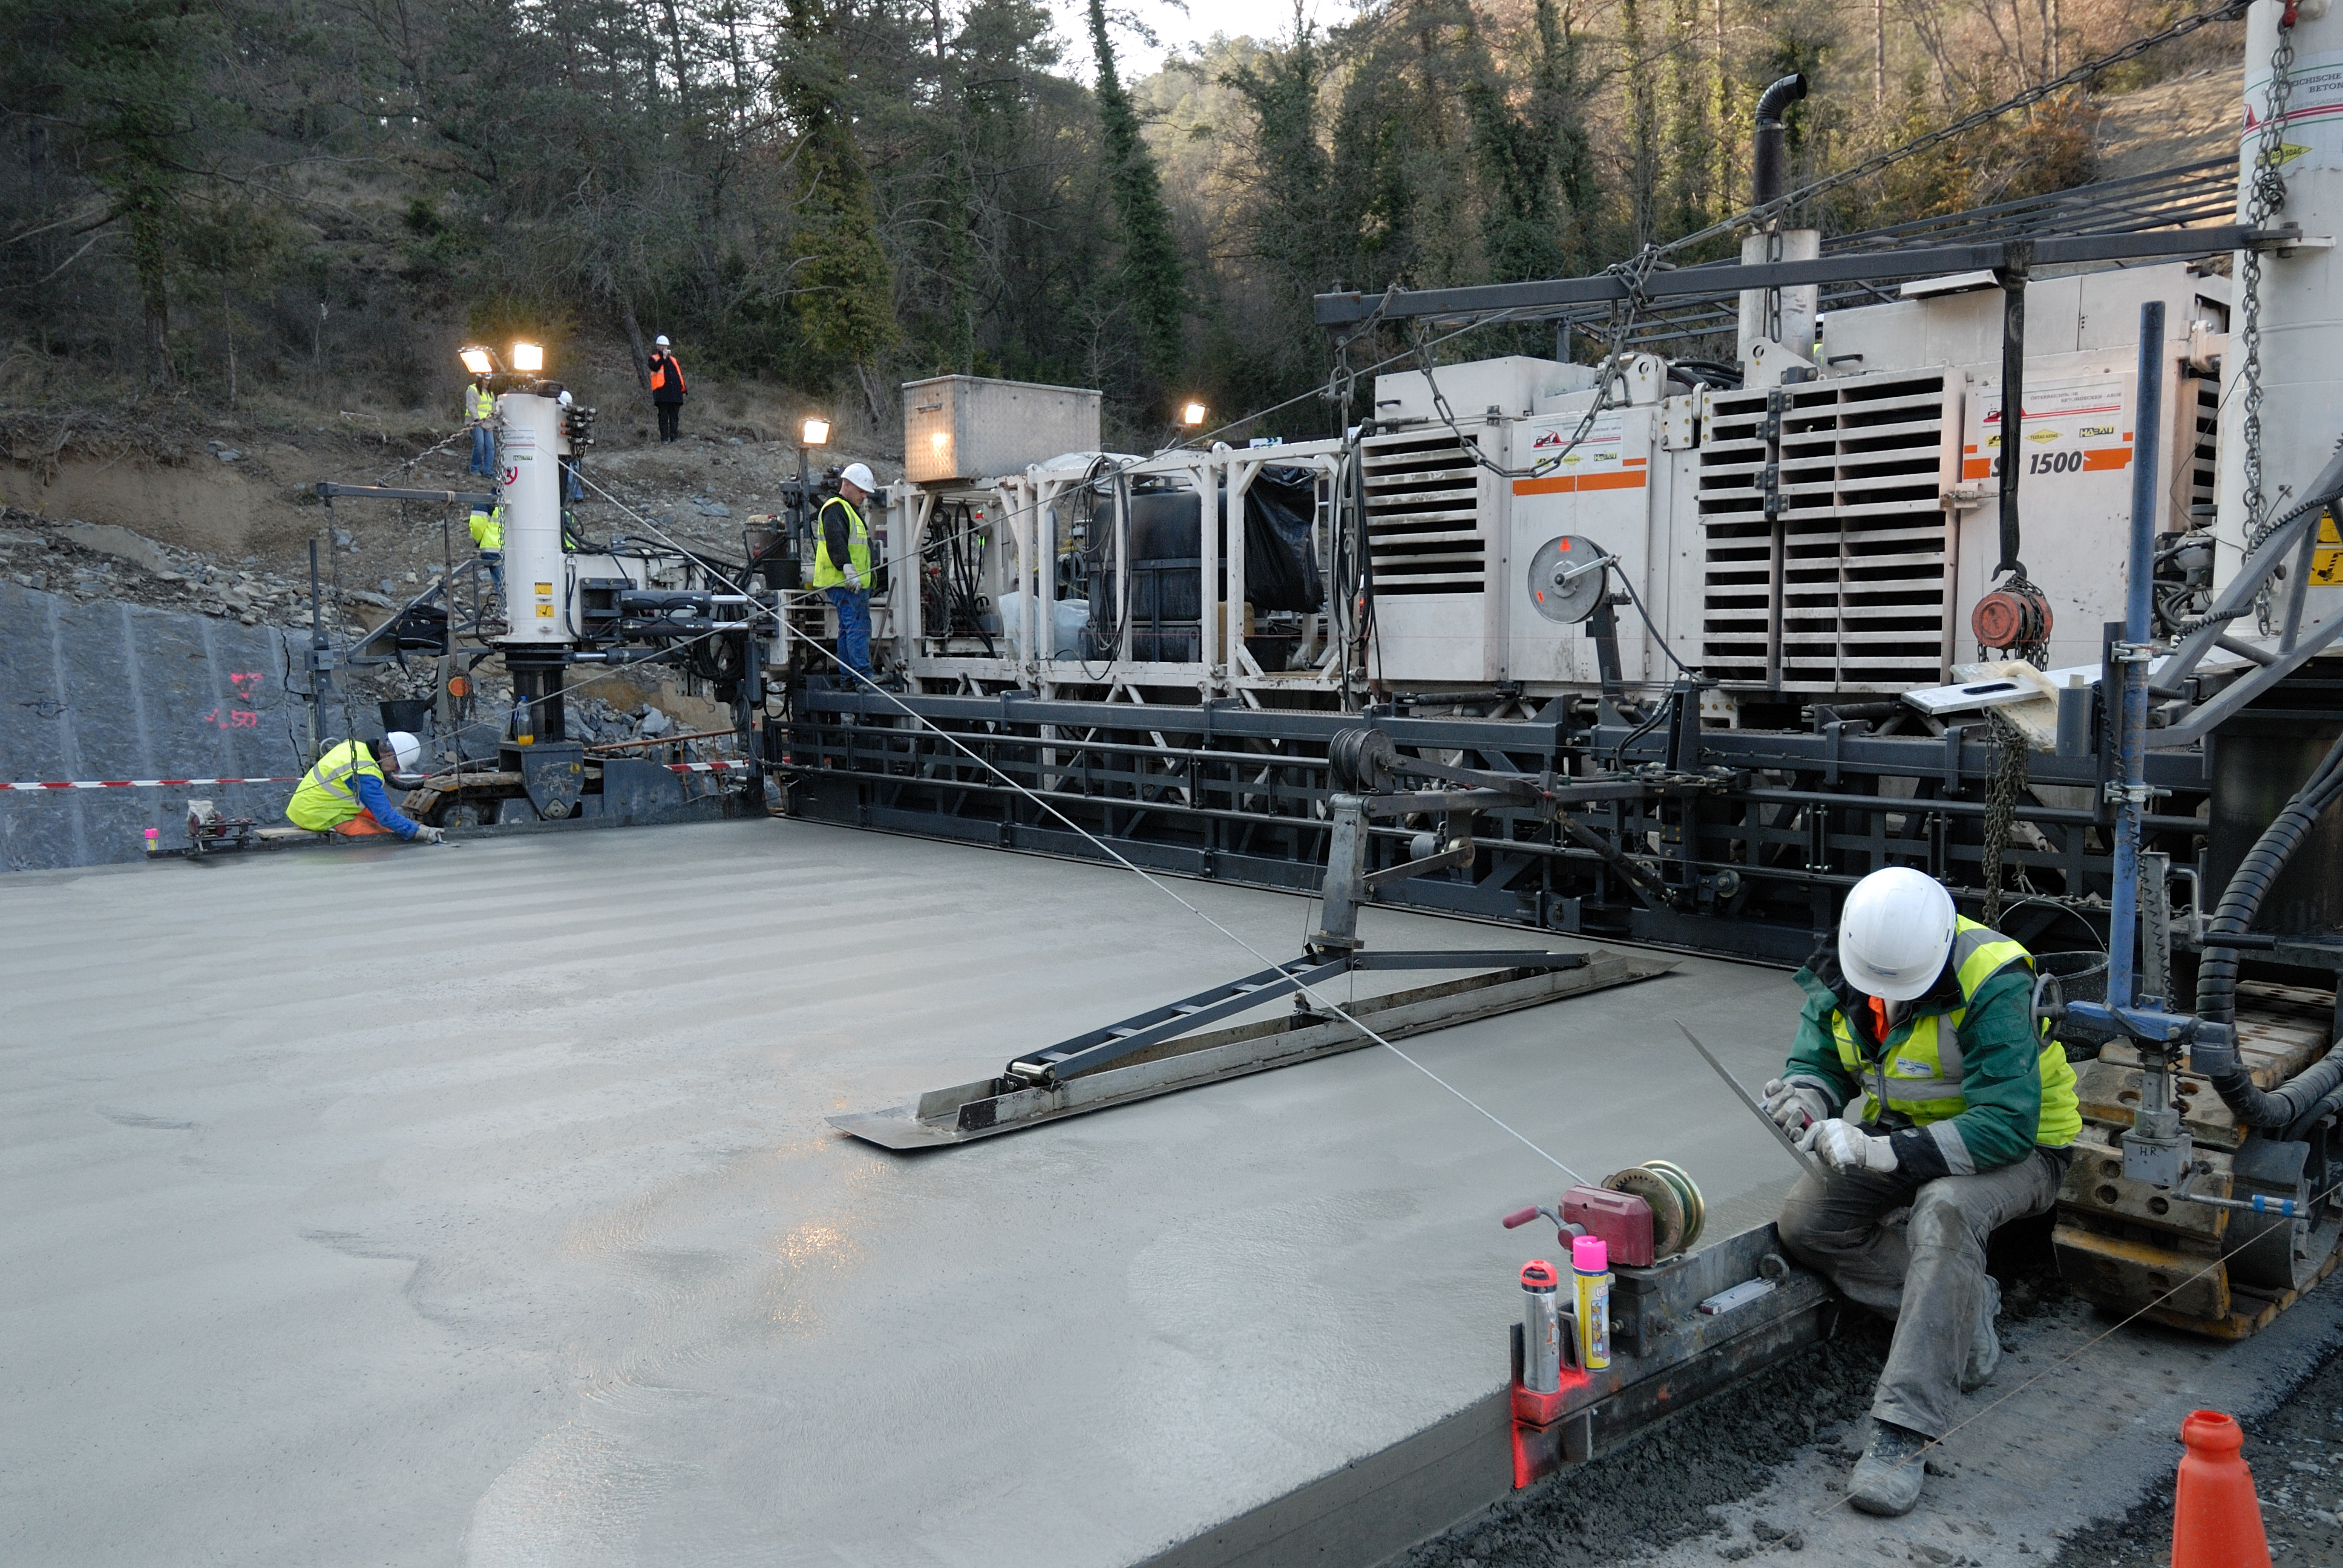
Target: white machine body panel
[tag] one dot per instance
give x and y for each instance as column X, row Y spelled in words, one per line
column 1601, row 491
column 2301, row 295
column 530, row 447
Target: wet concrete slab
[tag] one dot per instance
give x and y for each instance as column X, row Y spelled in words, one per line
column 476, row 1205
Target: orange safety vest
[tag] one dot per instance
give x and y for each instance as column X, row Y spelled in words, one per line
column 661, row 364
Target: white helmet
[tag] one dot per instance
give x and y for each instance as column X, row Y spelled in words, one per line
column 1895, row 933
column 660, row 342
column 859, row 475
column 408, row 749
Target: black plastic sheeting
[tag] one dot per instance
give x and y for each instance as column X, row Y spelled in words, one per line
column 1281, row 558
column 113, row 690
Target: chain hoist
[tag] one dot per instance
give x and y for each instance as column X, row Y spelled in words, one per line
column 2003, row 786
column 2265, row 197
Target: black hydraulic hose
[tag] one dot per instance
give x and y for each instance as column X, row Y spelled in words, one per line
column 2325, row 1106
column 2216, row 972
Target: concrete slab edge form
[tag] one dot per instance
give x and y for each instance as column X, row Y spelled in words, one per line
column 1377, row 1507
column 1374, row 1508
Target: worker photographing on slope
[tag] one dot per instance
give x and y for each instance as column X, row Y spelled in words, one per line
column 668, row 391
column 841, row 564
column 346, row 793
column 1919, row 1079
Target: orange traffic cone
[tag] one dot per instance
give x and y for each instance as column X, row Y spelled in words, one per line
column 2216, row 1520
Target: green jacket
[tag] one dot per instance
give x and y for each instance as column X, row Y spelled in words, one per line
column 2001, row 1074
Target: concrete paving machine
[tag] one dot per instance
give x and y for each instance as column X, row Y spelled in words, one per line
column 563, row 610
column 2001, row 546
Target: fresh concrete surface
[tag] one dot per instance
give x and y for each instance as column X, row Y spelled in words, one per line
column 474, row 1204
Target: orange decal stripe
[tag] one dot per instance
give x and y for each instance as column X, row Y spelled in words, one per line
column 2106, row 459
column 1569, row 484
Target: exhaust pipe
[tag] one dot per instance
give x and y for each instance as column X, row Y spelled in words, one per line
column 1770, row 153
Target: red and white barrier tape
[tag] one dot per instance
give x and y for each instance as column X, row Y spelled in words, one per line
column 288, row 779
column 145, row 783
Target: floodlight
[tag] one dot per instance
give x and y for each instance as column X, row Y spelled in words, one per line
column 817, row 432
column 1191, row 415
column 528, row 357
column 478, row 360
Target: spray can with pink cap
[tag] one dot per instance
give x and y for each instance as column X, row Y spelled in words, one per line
column 1590, row 1265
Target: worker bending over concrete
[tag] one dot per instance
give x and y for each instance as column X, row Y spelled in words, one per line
column 345, row 793
column 1919, row 1079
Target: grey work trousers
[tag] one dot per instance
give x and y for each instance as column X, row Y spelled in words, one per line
column 1929, row 1277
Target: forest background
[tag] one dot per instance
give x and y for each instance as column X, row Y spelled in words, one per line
column 203, row 201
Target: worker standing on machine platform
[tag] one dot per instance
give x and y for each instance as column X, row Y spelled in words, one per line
column 480, row 409
column 489, row 539
column 346, row 794
column 1918, row 1077
column 667, row 390
column 841, row 565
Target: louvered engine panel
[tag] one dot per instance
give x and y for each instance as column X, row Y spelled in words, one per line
column 1853, row 565
column 1424, row 529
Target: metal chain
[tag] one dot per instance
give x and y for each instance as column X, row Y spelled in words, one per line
column 2264, row 198
column 2002, row 788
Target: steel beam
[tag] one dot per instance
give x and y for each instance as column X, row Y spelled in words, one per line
column 1724, row 278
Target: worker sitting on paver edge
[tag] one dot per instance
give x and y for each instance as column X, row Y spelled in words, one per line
column 345, row 792
column 841, row 565
column 1919, row 1079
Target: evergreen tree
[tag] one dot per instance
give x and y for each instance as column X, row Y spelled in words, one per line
column 844, row 293
column 122, row 82
column 1688, row 156
column 1150, row 275
column 1643, row 126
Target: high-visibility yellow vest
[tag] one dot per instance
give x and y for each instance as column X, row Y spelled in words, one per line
column 1918, row 1074
column 480, row 402
column 489, row 528
column 828, row 573
column 328, row 795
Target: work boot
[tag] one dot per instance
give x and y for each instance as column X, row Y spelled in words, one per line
column 1886, row 1478
column 1984, row 1349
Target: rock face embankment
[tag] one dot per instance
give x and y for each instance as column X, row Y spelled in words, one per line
column 107, row 690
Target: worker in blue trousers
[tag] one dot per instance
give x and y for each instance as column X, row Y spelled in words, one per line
column 841, row 565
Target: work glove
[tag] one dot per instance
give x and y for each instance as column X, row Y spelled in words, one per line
column 429, row 835
column 853, row 577
column 1847, row 1147
column 1795, row 1107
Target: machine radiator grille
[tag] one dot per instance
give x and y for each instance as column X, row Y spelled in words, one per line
column 1424, row 515
column 2201, row 471
column 1844, row 588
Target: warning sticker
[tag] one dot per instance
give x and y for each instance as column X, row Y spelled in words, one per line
column 545, row 612
column 2070, row 427
column 1600, row 446
column 2314, row 105
column 2326, row 556
column 1598, row 461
